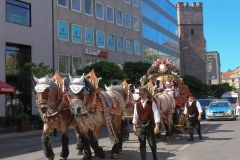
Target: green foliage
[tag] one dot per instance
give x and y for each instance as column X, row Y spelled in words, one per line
column 200, row 89
column 135, row 70
column 24, row 116
column 107, row 70
column 196, row 86
column 37, row 70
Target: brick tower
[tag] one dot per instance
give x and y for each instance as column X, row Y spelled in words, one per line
column 191, row 40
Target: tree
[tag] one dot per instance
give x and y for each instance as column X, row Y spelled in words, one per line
column 135, row 70
column 196, row 86
column 107, row 70
column 217, row 90
column 37, row 70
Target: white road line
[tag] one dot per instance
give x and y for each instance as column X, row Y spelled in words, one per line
column 204, row 130
column 186, row 145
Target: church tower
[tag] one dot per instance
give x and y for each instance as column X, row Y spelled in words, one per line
column 192, row 43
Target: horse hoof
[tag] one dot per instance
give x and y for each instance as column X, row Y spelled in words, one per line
column 114, row 156
column 79, row 151
column 167, row 138
column 52, row 158
column 63, row 158
column 120, row 151
column 87, row 158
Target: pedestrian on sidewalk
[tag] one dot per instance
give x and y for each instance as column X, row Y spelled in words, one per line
column 146, row 120
column 193, row 112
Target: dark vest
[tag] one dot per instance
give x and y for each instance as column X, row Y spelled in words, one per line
column 192, row 109
column 145, row 114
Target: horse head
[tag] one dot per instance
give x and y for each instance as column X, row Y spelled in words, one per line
column 46, row 95
column 79, row 93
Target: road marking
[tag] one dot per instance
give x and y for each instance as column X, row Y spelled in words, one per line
column 184, row 147
column 204, row 130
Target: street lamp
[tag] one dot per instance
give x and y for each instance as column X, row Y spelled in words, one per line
column 184, row 59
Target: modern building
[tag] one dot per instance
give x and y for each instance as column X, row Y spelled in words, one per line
column 192, row 43
column 213, row 67
column 88, row 31
column 160, row 31
column 26, row 36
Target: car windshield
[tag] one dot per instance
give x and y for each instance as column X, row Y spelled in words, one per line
column 219, row 104
column 204, row 102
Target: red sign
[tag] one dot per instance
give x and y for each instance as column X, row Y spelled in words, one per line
column 96, row 52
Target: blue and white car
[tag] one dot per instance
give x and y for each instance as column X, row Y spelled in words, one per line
column 204, row 103
column 220, row 110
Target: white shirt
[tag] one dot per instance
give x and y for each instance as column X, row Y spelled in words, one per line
column 197, row 104
column 154, row 108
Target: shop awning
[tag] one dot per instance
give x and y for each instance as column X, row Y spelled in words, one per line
column 6, row 88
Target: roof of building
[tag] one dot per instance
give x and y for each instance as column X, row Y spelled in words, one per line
column 226, row 75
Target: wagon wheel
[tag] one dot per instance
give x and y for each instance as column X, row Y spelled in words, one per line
column 181, row 122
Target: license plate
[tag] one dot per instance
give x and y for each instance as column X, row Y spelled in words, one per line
column 218, row 114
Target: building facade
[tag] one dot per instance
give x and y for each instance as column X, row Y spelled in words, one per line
column 26, row 36
column 234, row 79
column 86, row 32
column 160, row 31
column 213, row 67
column 191, row 40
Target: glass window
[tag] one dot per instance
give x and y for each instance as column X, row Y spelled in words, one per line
column 88, row 7
column 63, row 30
column 153, row 15
column 18, row 12
column 119, row 20
column 136, row 23
column 76, row 5
column 144, row 9
column 76, row 64
column 120, row 44
column 90, row 62
column 136, row 47
column 129, row 46
column 110, row 15
column 135, row 3
column 63, row 3
column 128, row 1
column 99, row 10
column 63, row 64
column 128, row 20
column 76, row 33
column 100, row 39
column 110, row 42
column 89, row 36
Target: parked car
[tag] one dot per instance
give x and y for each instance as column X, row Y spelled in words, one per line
column 220, row 110
column 204, row 103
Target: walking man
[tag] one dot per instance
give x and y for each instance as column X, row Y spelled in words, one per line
column 146, row 120
column 193, row 112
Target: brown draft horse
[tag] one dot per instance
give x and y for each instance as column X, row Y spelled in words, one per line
column 54, row 110
column 166, row 105
column 93, row 109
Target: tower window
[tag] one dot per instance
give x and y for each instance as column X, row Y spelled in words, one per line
column 192, row 31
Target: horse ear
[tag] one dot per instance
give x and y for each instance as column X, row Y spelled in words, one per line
column 107, row 88
column 36, row 80
column 47, row 78
column 70, row 78
column 82, row 78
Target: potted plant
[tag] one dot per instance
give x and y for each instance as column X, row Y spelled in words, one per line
column 24, row 122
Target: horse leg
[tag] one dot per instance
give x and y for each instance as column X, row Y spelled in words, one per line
column 65, row 141
column 47, row 149
column 99, row 152
column 79, row 147
column 116, row 122
column 169, row 127
column 87, row 155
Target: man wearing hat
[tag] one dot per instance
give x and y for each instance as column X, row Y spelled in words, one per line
column 146, row 120
column 193, row 112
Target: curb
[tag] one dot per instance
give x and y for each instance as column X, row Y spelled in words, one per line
column 19, row 134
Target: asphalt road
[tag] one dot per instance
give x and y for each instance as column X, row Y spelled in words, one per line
column 220, row 142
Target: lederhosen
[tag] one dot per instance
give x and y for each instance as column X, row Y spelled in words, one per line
column 192, row 117
column 145, row 124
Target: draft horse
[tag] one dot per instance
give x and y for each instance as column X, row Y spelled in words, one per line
column 93, row 109
column 53, row 107
column 166, row 105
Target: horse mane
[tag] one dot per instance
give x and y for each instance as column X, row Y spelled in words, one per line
column 89, row 87
column 119, row 89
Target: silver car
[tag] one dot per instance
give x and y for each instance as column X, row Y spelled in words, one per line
column 220, row 110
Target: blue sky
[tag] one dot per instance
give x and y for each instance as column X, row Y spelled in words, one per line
column 222, row 29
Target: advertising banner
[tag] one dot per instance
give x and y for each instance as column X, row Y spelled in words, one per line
column 110, row 42
column 100, row 39
column 128, row 46
column 211, row 67
column 63, row 30
column 119, row 44
column 89, row 36
column 76, row 34
column 136, row 47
